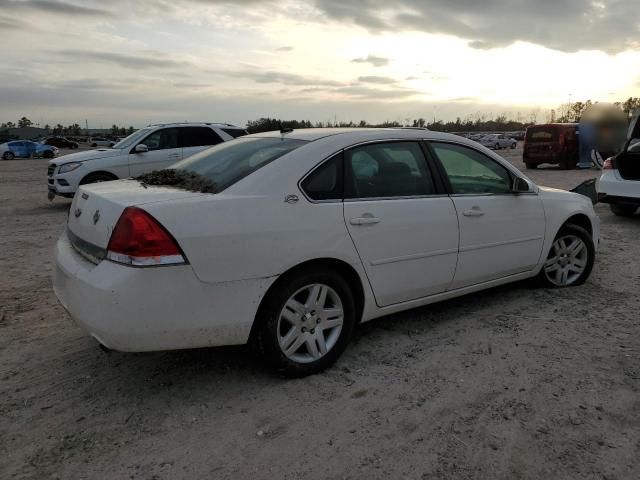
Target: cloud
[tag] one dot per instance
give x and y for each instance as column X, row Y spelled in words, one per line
column 373, row 60
column 286, row 48
column 122, row 59
column 56, row 7
column 8, row 23
column 376, row 79
column 368, row 93
column 283, row 78
column 567, row 25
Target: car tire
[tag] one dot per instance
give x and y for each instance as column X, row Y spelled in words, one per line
column 623, row 210
column 496, row 146
column 8, row 156
column 74, row 146
column 302, row 326
column 570, row 258
column 531, row 166
column 94, row 145
column 48, row 154
column 98, row 178
column 514, row 145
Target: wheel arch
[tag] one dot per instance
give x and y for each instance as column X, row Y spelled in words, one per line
column 581, row 220
column 98, row 172
column 345, row 269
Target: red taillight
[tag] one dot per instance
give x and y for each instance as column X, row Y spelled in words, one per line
column 139, row 240
column 608, row 164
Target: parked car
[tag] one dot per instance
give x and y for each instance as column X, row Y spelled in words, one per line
column 305, row 234
column 100, row 142
column 60, row 142
column 26, row 149
column 553, row 143
column 150, row 148
column 497, row 141
column 619, row 184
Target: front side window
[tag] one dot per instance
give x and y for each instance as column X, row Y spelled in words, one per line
column 162, row 139
column 383, row 170
column 229, row 162
column 470, row 172
column 198, row 137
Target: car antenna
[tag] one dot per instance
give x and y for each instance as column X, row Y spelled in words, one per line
column 284, row 131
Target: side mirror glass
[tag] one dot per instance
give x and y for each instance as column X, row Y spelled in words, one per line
column 520, row 185
column 141, row 148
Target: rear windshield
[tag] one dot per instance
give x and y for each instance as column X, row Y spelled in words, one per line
column 227, row 163
column 542, row 134
column 234, row 132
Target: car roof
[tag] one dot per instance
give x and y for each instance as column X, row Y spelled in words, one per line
column 183, row 124
column 363, row 134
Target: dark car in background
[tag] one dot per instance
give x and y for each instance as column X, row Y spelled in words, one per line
column 60, row 142
column 553, row 143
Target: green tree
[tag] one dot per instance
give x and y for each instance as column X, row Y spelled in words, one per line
column 115, row 130
column 9, row 125
column 130, row 130
column 47, row 128
column 24, row 122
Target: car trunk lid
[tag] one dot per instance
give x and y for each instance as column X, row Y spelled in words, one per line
column 628, row 162
column 96, row 208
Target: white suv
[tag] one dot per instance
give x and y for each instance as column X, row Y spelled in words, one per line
column 150, row 148
column 619, row 185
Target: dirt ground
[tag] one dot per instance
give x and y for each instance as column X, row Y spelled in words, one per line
column 511, row 383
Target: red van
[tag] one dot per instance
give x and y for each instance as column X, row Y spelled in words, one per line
column 555, row 143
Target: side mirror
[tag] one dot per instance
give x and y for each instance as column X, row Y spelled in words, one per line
column 520, row 185
column 141, row 148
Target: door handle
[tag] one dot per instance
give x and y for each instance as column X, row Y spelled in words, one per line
column 364, row 221
column 473, row 212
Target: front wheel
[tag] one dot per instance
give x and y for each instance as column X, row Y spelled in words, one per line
column 8, row 156
column 97, row 178
column 570, row 259
column 306, row 322
column 514, row 145
column 623, row 210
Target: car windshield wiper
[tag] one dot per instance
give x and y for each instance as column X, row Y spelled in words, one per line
column 183, row 179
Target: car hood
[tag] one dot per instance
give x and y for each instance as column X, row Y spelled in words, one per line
column 89, row 155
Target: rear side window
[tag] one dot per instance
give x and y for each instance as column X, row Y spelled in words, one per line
column 198, row 137
column 470, row 172
column 234, row 132
column 384, row 170
column 229, row 162
column 325, row 182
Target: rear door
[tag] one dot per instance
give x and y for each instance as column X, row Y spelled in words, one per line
column 501, row 233
column 164, row 150
column 404, row 228
column 196, row 139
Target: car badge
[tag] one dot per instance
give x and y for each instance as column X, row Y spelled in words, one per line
column 85, row 196
column 77, row 213
column 291, row 199
column 96, row 217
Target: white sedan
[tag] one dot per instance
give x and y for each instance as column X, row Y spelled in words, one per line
column 498, row 141
column 287, row 240
column 619, row 184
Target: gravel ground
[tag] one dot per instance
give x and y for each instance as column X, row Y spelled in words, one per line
column 510, row 383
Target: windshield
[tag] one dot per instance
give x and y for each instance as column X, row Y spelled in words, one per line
column 133, row 138
column 227, row 163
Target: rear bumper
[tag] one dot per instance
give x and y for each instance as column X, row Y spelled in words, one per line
column 146, row 309
column 613, row 189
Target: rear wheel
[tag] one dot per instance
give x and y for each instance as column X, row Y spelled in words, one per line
column 623, row 210
column 306, row 322
column 570, row 259
column 8, row 156
column 97, row 178
column 531, row 166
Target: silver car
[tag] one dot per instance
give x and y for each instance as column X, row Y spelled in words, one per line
column 497, row 141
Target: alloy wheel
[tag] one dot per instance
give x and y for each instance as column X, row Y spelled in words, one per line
column 567, row 260
column 310, row 323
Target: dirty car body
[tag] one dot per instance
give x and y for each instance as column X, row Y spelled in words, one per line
column 403, row 215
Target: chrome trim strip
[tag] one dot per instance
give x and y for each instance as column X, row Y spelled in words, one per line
column 499, row 244
column 414, row 256
column 87, row 250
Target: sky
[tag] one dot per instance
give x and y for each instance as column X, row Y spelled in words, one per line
column 149, row 61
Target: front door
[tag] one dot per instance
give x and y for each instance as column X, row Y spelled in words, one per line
column 164, row 150
column 404, row 229
column 501, row 233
